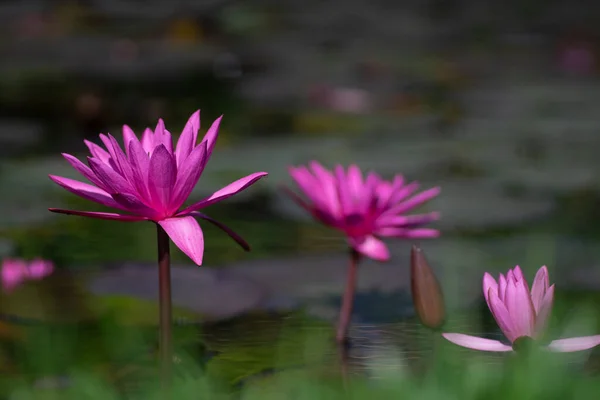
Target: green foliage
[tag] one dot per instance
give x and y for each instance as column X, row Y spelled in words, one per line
column 273, row 356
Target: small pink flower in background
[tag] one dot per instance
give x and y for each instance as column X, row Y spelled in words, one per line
column 520, row 313
column 152, row 179
column 350, row 100
column 364, row 208
column 16, row 272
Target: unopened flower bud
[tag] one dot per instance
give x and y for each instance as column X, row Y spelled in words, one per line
column 427, row 295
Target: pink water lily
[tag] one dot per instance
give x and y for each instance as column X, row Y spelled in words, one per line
column 364, row 208
column 520, row 313
column 151, row 180
column 16, row 271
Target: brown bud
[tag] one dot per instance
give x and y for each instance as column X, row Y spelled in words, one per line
column 427, row 295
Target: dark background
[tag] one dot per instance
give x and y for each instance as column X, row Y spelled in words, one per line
column 495, row 101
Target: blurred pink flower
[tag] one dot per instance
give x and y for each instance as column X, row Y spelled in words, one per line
column 365, row 209
column 520, row 313
column 15, row 272
column 151, row 180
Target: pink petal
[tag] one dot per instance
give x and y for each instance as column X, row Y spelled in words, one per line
column 86, row 191
column 518, row 274
column 329, row 188
column 355, row 183
column 225, row 228
column 120, row 159
column 410, row 220
column 98, row 152
column 159, row 131
column 343, row 191
column 544, row 311
column 128, row 136
column 100, row 215
column 398, row 192
column 162, row 175
column 112, row 161
column 574, row 344
column 84, row 170
column 187, row 235
column 414, row 201
column 402, row 191
column 187, row 139
column 134, row 205
column 226, row 192
column 502, row 316
column 211, row 138
column 539, row 288
column 310, row 186
column 489, row 283
column 140, row 165
column 518, row 303
column 148, row 141
column 187, row 176
column 383, row 193
column 502, row 287
column 113, row 181
column 120, row 188
column 368, row 200
column 387, row 192
column 407, row 233
column 510, row 276
column 371, row 247
column 476, row 343
column 163, row 136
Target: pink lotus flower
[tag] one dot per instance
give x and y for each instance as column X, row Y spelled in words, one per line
column 365, row 209
column 15, row 272
column 150, row 181
column 520, row 314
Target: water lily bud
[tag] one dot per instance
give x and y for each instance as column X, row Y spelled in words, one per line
column 427, row 295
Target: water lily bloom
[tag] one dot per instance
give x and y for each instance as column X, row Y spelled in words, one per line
column 364, row 208
column 151, row 180
column 16, row 271
column 520, row 313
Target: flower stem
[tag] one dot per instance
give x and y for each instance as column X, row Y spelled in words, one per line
column 164, row 288
column 348, row 298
